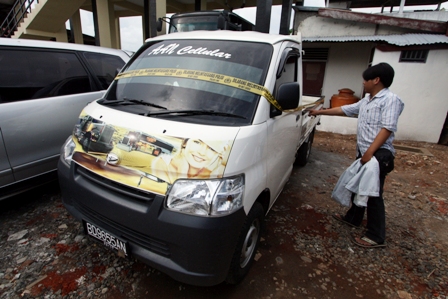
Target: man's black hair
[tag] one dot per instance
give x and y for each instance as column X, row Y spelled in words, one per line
column 382, row 70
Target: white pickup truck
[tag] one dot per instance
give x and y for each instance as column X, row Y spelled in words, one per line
column 180, row 161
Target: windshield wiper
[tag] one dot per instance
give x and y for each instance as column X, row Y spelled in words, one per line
column 193, row 112
column 126, row 101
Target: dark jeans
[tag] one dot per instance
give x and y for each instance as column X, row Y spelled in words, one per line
column 376, row 214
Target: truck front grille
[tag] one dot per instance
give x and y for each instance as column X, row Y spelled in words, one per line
column 124, row 232
column 129, row 192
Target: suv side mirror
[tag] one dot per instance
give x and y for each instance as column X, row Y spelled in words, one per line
column 288, row 96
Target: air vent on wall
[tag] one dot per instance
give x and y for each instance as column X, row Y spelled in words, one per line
column 319, row 54
column 414, row 56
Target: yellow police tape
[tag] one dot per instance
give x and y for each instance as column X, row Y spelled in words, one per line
column 209, row 77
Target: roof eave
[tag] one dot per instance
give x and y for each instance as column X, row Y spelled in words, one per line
column 422, row 25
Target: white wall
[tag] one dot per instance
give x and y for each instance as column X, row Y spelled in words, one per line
column 338, row 124
column 346, row 62
column 423, row 89
column 422, row 86
column 344, row 67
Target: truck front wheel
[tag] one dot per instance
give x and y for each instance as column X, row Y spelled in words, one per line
column 246, row 248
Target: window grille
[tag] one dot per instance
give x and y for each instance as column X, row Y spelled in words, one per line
column 315, row 54
column 414, row 56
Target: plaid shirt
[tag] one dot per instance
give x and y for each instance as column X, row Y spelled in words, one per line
column 382, row 111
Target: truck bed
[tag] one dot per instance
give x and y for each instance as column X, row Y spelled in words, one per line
column 310, row 122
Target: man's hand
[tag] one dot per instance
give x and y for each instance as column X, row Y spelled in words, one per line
column 324, row 111
column 366, row 157
column 314, row 112
column 376, row 144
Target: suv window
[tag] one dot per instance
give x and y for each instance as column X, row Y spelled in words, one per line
column 105, row 67
column 32, row 74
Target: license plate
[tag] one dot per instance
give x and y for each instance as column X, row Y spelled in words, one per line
column 108, row 239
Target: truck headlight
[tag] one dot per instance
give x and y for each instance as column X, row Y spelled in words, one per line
column 207, row 197
column 67, row 150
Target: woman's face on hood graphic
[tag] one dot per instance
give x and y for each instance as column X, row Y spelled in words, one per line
column 199, row 154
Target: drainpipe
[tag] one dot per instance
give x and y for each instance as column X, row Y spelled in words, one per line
column 146, row 20
column 153, row 17
column 285, row 19
column 263, row 16
column 400, row 12
column 95, row 23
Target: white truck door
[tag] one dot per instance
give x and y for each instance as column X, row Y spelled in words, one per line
column 283, row 128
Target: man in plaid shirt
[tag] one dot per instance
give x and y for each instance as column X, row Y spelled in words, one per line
column 378, row 114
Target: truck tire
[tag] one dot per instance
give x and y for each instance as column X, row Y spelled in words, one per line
column 304, row 151
column 247, row 245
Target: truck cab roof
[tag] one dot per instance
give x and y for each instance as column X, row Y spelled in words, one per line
column 249, row 36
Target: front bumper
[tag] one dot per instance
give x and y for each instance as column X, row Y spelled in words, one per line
column 191, row 249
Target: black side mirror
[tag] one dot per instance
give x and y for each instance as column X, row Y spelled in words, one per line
column 159, row 24
column 288, row 96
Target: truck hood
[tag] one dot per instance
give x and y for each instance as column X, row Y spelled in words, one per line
column 147, row 153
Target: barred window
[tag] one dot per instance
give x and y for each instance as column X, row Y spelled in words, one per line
column 414, row 56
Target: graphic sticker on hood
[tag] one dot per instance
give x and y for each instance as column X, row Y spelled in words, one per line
column 146, row 161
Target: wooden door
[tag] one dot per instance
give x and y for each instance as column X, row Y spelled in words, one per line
column 313, row 77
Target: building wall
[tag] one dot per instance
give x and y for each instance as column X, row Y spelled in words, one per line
column 423, row 15
column 315, row 26
column 346, row 62
column 421, row 86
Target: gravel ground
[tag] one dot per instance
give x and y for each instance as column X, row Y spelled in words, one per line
column 304, row 253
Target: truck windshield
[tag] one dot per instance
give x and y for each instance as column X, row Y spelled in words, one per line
column 215, row 77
